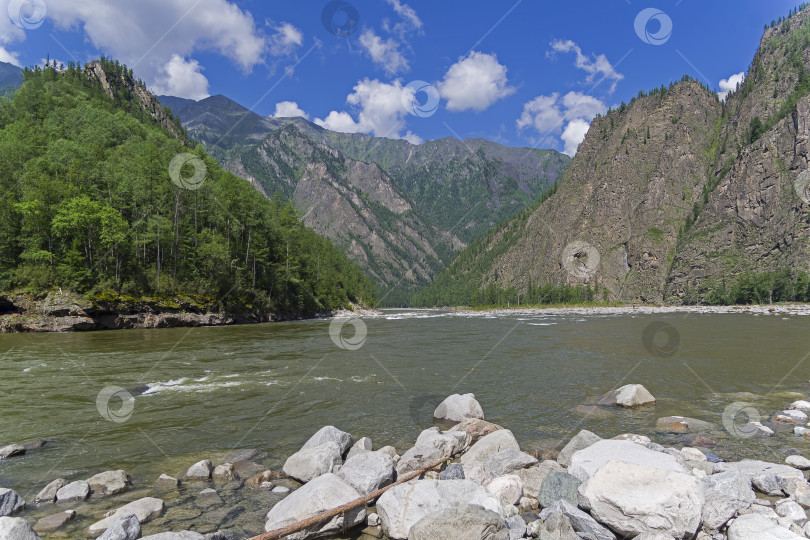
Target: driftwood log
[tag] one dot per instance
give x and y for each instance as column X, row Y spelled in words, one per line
column 323, row 516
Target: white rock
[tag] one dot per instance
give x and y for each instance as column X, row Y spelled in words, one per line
column 629, row 395
column 78, row 490
column 632, row 499
column 363, row 444
column 765, row 477
column 200, row 470
column 791, row 510
column 533, row 476
column 450, row 443
column 801, row 431
column 578, row 442
column 489, row 445
column 458, row 407
column 756, row 429
column 798, row 462
column 313, row 461
column 368, row 471
column 794, row 414
column 145, row 509
column 329, row 434
column 15, row 528
column 321, row 494
column 463, row 522
column 109, row 482
column 757, row 527
column 373, row 519
column 508, row 488
column 693, row 454
column 800, row 405
column 48, row 493
column 727, row 493
column 417, row 457
column 643, row 440
column 402, row 506
column 586, row 462
column 282, row 490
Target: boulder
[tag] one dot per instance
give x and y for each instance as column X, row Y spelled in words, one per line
column 580, row 441
column 329, row 434
column 727, row 493
column 791, row 510
column 368, row 471
column 454, row 471
column 557, row 527
column 200, row 470
column 457, row 407
column 682, row 424
column 632, row 499
column 585, row 463
column 14, row 528
column 10, row 502
column 798, row 417
column 363, row 444
column 801, row 405
column 145, row 509
column 404, row 505
column 476, row 428
column 757, row 527
column 508, row 488
column 798, row 462
column 765, row 477
column 165, row 481
column 629, row 395
column 517, row 527
column 450, row 443
column 643, row 440
column 489, row 445
column 324, row 493
column 417, row 457
column 558, row 486
column 124, row 528
column 224, row 473
column 582, row 522
column 313, row 461
column 48, row 493
column 78, row 490
column 109, row 482
column 506, row 462
column 180, row 535
column 533, row 476
column 462, row 522
column 54, row 521
column 11, row 450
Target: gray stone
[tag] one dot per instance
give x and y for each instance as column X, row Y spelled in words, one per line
column 368, row 471
column 757, row 527
column 632, row 499
column 582, row 522
column 283, row 490
column 330, row 434
column 124, row 528
column 313, row 461
column 458, row 407
column 798, row 462
column 224, row 473
column 200, row 470
column 78, row 490
column 321, row 494
column 417, row 457
column 48, row 493
column 363, row 444
column 109, row 482
column 208, row 497
column 557, row 527
column 489, row 445
column 11, row 450
column 402, row 506
column 765, row 477
column 145, row 509
column 167, row 482
column 533, row 476
column 586, row 462
column 508, row 488
column 54, row 521
column 462, row 522
column 517, row 527
column 791, row 510
column 476, row 428
column 179, row 535
column 654, row 536
column 454, row 471
column 15, row 528
column 580, row 441
column 727, row 493
column 558, row 486
column 629, row 395
column 506, row 462
column 10, row 502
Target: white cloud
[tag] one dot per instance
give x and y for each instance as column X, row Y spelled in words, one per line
column 729, row 85
column 286, row 39
column 548, row 114
column 384, row 52
column 182, row 78
column 289, row 109
column 10, row 57
column 474, row 82
column 407, row 13
column 382, row 111
column 598, row 66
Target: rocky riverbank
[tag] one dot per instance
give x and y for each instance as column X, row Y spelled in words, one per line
column 765, row 309
column 487, row 487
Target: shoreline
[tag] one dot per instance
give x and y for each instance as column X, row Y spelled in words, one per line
column 758, row 309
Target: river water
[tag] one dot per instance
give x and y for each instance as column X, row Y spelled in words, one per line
column 202, row 392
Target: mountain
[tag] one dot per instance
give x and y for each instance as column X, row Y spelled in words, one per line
column 104, row 197
column 10, row 78
column 400, row 210
column 675, row 197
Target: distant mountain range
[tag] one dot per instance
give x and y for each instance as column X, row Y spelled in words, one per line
column 402, row 211
column 10, row 78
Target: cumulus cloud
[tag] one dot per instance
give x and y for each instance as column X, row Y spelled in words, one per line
column 286, row 40
column 549, row 115
column 729, row 85
column 289, row 109
column 382, row 108
column 8, row 56
column 385, row 53
column 474, row 83
column 182, row 78
column 598, row 66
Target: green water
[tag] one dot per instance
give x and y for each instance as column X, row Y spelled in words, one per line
column 199, row 393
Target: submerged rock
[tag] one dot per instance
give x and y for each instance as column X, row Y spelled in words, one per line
column 11, row 450
column 54, row 521
column 682, row 424
column 457, row 407
column 145, row 509
column 125, row 528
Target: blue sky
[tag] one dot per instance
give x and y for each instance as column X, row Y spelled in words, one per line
column 525, row 73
